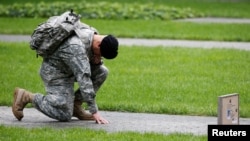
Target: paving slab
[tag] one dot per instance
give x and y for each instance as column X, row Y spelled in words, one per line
column 217, row 20
column 152, row 42
column 184, row 43
column 119, row 122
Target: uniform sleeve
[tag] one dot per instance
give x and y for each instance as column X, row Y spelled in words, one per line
column 75, row 57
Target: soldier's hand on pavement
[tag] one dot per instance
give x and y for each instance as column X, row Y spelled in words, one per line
column 99, row 119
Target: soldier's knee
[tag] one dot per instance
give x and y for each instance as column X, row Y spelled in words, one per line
column 100, row 72
column 105, row 71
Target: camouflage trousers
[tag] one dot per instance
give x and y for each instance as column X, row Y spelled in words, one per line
column 59, row 99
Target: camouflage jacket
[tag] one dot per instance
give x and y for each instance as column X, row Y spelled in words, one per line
column 70, row 63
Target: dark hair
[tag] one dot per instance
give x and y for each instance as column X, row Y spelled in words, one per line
column 109, row 47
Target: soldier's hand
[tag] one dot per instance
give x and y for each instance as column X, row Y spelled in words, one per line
column 99, row 119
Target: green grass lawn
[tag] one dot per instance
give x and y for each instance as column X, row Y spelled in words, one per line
column 155, row 80
column 144, row 29
column 79, row 134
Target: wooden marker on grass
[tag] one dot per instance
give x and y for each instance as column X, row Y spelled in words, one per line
column 228, row 109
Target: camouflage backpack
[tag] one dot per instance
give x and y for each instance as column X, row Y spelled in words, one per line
column 48, row 35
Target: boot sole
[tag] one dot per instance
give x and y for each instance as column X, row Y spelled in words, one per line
column 18, row 113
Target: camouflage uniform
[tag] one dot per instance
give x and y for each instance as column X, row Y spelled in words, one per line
column 70, row 63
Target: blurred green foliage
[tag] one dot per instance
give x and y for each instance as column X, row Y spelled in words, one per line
column 100, row 10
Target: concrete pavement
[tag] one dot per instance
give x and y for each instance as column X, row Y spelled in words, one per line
column 216, row 20
column 119, row 122
column 153, row 42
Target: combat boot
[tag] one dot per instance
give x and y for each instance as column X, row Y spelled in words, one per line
column 80, row 113
column 21, row 99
